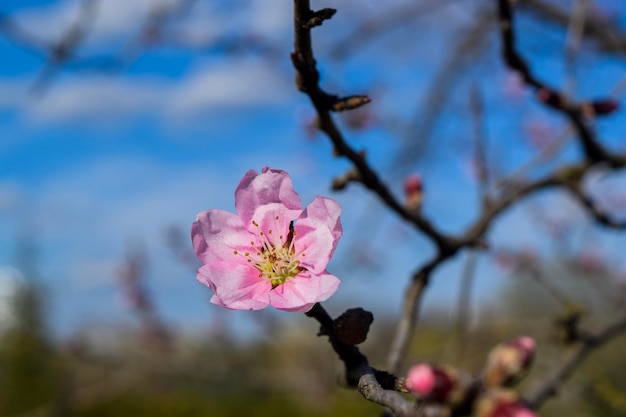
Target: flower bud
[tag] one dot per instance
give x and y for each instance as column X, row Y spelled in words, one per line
column 550, row 98
column 349, row 103
column 509, row 361
column 438, row 384
column 501, row 403
column 602, row 107
column 352, row 326
column 414, row 192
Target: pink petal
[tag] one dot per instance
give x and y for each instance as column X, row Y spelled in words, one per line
column 203, row 276
column 421, row 379
column 318, row 230
column 238, row 287
column 271, row 186
column 216, row 234
column 524, row 412
column 299, row 293
column 273, row 220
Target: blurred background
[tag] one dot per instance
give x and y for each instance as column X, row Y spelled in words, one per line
column 120, row 120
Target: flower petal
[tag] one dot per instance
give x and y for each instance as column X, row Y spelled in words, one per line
column 203, row 276
column 271, row 186
column 273, row 220
column 300, row 293
column 238, row 287
column 318, row 230
column 216, row 234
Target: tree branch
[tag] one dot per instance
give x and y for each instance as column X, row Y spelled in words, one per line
column 587, row 345
column 594, row 152
column 307, row 81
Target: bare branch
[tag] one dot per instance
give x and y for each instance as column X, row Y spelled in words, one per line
column 592, row 208
column 594, row 152
column 588, row 344
column 408, row 318
column 307, row 79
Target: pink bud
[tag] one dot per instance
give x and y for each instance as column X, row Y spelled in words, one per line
column 524, row 412
column 502, row 403
column 509, row 361
column 438, row 384
column 525, row 346
column 421, row 379
column 603, row 107
column 550, row 97
column 413, row 184
column 512, row 410
column 413, row 190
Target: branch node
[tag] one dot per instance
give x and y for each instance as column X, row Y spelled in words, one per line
column 352, row 175
column 349, row 103
column 319, row 17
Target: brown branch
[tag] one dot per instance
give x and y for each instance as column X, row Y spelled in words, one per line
column 587, row 345
column 63, row 50
column 409, row 316
column 575, row 112
column 378, row 386
column 594, row 210
column 371, row 390
column 474, row 234
column 307, row 81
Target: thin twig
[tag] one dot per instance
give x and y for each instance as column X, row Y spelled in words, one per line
column 464, row 304
column 590, row 343
column 594, row 152
column 377, row 386
column 307, row 81
column 575, row 33
column 408, row 318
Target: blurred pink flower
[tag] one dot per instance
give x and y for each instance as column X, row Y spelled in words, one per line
column 414, row 192
column 436, row 383
column 502, row 403
column 272, row 252
column 509, row 361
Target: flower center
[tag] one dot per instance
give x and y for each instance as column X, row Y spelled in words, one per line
column 275, row 257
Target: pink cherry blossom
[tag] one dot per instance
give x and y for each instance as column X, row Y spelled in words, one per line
column 439, row 384
column 509, row 361
column 502, row 403
column 272, row 252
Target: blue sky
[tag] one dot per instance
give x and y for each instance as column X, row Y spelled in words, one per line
column 100, row 161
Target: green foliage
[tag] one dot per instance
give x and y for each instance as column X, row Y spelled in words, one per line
column 291, row 373
column 27, row 363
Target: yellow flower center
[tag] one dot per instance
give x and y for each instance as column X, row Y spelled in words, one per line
column 275, row 259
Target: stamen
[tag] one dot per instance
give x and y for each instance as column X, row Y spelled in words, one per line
column 276, row 260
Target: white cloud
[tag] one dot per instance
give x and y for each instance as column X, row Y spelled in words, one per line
column 96, row 99
column 115, row 19
column 48, row 22
column 242, row 83
column 119, row 21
